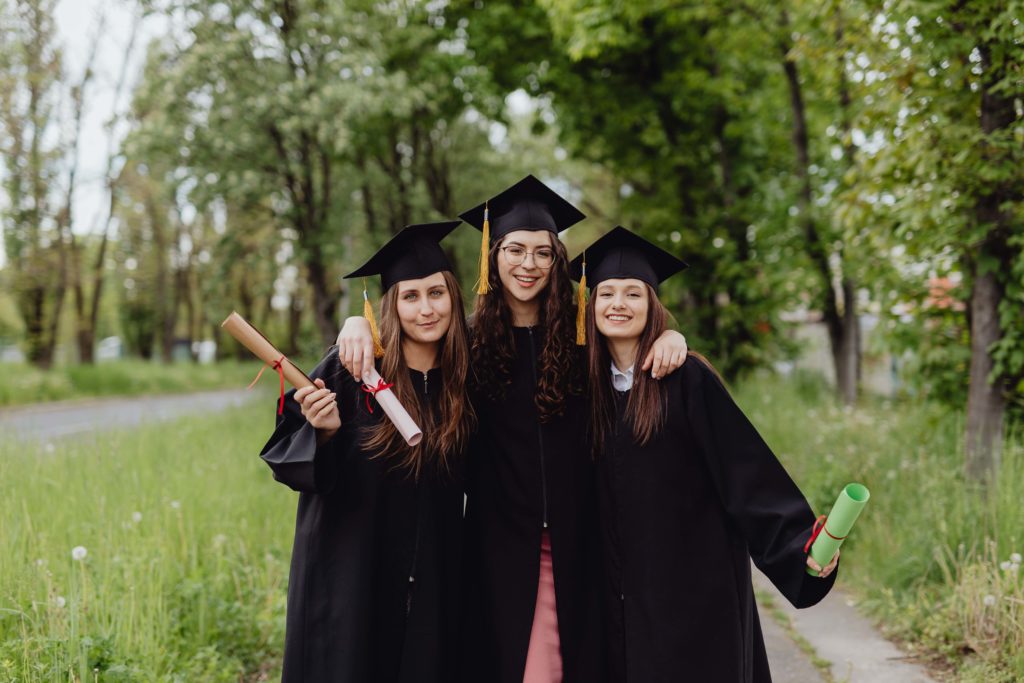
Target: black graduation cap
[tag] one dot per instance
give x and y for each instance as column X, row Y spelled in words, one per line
column 527, row 205
column 413, row 253
column 624, row 254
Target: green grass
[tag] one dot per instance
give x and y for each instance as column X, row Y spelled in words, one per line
column 930, row 557
column 188, row 541
column 23, row 384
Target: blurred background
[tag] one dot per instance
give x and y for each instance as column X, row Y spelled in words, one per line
column 845, row 180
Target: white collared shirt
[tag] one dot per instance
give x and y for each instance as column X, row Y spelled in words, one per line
column 622, row 381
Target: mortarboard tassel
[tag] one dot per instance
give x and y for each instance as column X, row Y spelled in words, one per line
column 378, row 348
column 484, row 286
column 581, row 306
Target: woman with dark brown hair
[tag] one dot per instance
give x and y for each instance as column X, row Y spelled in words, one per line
column 374, row 585
column 689, row 493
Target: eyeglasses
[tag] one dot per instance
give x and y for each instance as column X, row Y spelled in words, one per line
column 542, row 258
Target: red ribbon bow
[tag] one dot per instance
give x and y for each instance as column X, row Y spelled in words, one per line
column 371, row 390
column 819, row 526
column 279, row 366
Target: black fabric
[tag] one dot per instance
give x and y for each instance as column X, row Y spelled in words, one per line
column 362, row 530
column 527, row 205
column 521, row 473
column 682, row 516
column 413, row 253
column 620, row 253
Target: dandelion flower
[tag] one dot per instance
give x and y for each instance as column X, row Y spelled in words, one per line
column 136, row 517
column 60, row 601
column 1015, row 558
column 79, row 552
column 989, row 600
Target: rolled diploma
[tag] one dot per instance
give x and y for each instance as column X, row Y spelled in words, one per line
column 251, row 338
column 394, row 409
column 849, row 504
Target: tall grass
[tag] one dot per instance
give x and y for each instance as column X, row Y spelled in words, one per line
column 21, row 384
column 933, row 559
column 186, row 540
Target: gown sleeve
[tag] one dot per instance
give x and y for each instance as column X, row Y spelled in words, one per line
column 292, row 452
column 759, row 496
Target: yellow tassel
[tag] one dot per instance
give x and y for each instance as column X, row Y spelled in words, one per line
column 378, row 348
column 484, row 286
column 581, row 307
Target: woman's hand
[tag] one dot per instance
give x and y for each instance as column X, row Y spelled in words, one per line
column 355, row 346
column 320, row 409
column 823, row 573
column 667, row 355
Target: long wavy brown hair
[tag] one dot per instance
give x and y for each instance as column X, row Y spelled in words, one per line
column 646, row 407
column 453, row 418
column 493, row 350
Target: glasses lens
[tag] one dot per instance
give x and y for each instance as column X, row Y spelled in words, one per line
column 543, row 258
column 515, row 255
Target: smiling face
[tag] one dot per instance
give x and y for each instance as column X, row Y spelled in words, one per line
column 525, row 281
column 620, row 308
column 424, row 308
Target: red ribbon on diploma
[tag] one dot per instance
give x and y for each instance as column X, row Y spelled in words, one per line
column 371, row 390
column 819, row 526
column 280, row 371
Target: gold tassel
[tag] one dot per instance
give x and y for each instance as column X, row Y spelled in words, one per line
column 484, row 286
column 378, row 348
column 581, row 307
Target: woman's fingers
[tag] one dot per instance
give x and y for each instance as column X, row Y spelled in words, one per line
column 831, row 566
column 658, row 367
column 316, row 406
column 813, row 565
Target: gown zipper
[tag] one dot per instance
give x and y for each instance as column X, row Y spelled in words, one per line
column 416, row 543
column 540, row 436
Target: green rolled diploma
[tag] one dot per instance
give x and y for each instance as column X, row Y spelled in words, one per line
column 850, row 502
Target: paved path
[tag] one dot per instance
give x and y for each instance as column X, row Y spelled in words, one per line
column 46, row 421
column 839, row 634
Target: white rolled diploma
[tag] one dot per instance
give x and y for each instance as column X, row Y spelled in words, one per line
column 394, row 409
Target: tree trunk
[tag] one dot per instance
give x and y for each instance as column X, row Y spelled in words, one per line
column 986, row 403
column 842, row 339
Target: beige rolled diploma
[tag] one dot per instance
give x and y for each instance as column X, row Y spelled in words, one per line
column 393, row 408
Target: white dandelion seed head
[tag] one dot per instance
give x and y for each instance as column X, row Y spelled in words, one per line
column 136, row 517
column 59, row 601
column 219, row 540
column 40, row 562
column 79, row 552
column 1005, row 566
column 1015, row 558
column 175, row 504
column 989, row 600
column 49, row 447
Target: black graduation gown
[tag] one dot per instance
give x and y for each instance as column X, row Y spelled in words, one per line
column 373, row 588
column 523, row 476
column 681, row 518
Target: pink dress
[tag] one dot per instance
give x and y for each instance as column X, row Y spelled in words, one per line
column 544, row 657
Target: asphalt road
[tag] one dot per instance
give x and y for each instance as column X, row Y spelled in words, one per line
column 49, row 421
